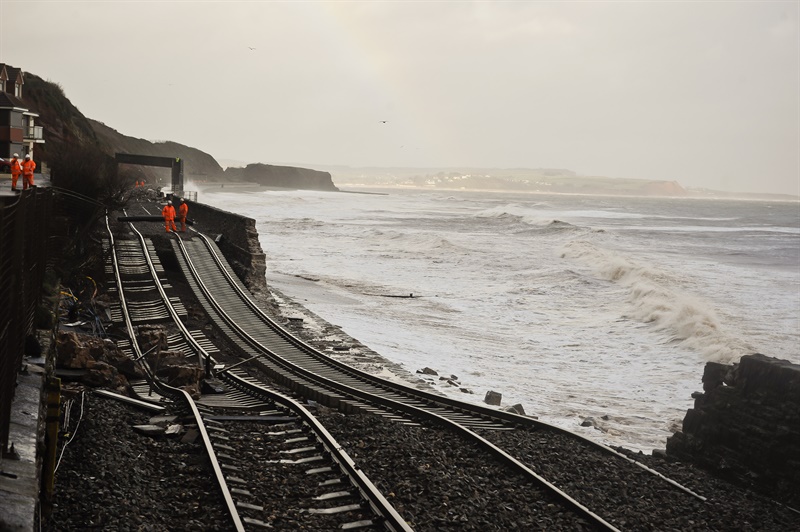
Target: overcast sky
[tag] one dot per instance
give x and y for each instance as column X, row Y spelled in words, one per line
column 704, row 93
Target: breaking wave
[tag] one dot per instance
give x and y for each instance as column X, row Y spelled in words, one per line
column 656, row 298
column 514, row 213
column 521, row 221
column 411, row 242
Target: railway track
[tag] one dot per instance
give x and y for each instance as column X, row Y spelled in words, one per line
column 605, row 490
column 233, row 417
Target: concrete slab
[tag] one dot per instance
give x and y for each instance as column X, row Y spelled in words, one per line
column 20, row 479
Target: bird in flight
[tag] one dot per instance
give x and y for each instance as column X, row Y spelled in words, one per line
column 382, row 121
column 251, row 47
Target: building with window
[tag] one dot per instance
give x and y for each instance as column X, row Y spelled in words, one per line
column 18, row 132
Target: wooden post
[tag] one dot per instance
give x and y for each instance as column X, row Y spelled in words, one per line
column 52, row 420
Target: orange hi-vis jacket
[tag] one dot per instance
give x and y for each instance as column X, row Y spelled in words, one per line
column 28, row 166
column 168, row 212
column 183, row 210
column 16, row 168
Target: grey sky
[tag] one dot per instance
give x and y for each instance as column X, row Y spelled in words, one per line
column 704, row 93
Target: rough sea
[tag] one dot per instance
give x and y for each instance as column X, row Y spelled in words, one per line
column 573, row 306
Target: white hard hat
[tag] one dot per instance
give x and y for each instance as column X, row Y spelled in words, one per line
column 16, row 155
column 27, row 155
column 169, row 203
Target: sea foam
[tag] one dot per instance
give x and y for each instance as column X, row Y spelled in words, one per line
column 656, row 297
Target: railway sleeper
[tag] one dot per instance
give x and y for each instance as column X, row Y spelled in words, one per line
column 299, row 461
column 336, row 509
column 334, row 495
column 255, row 522
column 367, row 523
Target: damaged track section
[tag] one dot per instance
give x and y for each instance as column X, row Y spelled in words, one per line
column 255, row 438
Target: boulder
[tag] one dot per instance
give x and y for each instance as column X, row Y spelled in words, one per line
column 516, row 409
column 100, row 374
column 180, row 376
column 151, row 335
column 493, row 398
column 71, row 352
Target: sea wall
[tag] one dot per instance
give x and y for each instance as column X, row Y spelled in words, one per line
column 239, row 242
column 746, row 425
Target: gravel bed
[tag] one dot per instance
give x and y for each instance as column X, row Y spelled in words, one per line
column 112, row 478
column 631, row 498
column 284, row 490
column 437, row 481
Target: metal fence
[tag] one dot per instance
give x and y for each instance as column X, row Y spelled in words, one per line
column 24, row 236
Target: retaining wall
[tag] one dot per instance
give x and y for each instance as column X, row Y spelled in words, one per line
column 239, row 242
column 746, row 425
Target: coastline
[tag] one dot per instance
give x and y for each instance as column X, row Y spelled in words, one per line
column 384, row 189
column 693, row 196
column 327, row 337
column 333, row 298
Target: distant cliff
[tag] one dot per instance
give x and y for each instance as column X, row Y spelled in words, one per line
column 200, row 166
column 281, row 176
column 541, row 180
column 63, row 126
column 195, row 162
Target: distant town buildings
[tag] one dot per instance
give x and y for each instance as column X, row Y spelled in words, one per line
column 18, row 133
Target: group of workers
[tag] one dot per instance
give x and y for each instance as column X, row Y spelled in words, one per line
column 25, row 167
column 139, row 183
column 168, row 212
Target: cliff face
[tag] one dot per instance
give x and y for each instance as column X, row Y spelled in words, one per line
column 281, row 176
column 200, row 166
column 664, row 188
column 196, row 164
column 63, row 126
column 62, row 123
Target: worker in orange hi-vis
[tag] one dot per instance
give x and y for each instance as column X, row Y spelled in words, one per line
column 28, row 167
column 16, row 170
column 183, row 210
column 168, row 212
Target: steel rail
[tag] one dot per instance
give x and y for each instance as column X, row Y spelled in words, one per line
column 412, row 393
column 417, row 412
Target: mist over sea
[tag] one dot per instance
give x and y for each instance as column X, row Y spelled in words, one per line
column 573, row 306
